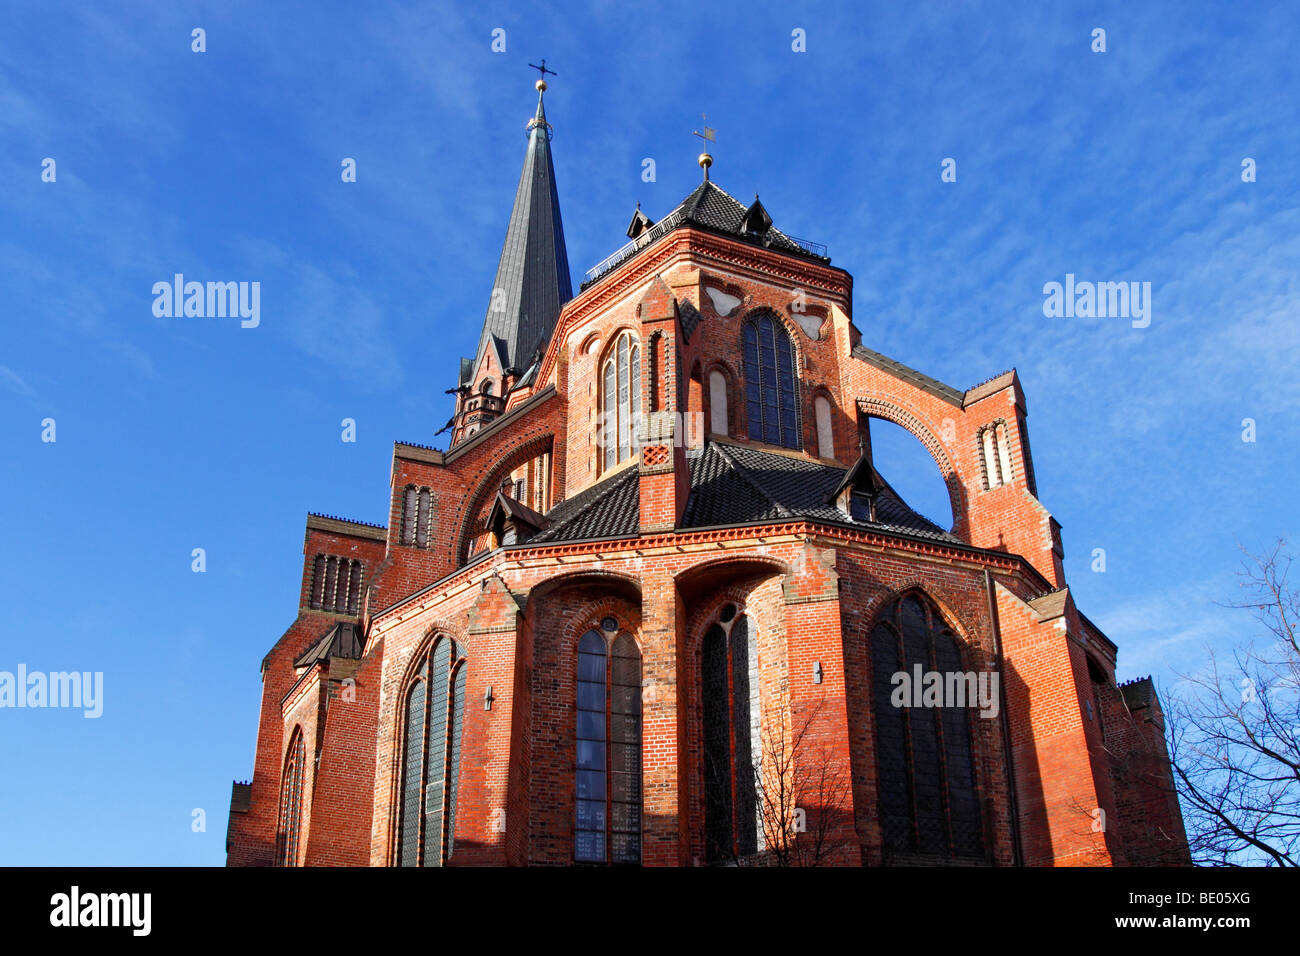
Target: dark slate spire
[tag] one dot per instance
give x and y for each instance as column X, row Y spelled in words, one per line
column 533, row 275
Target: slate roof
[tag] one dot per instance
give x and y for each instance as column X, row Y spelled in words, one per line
column 608, row 509
column 714, row 208
column 909, row 374
column 733, row 485
column 533, row 273
column 690, row 318
column 508, row 507
column 343, row 639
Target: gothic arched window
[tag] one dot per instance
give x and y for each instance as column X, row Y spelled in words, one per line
column 433, row 710
column 771, row 382
column 620, row 378
column 729, row 690
column 928, row 803
column 290, row 825
column 608, row 776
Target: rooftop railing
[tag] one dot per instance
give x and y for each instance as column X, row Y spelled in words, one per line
column 816, row 248
column 654, row 233
column 657, row 232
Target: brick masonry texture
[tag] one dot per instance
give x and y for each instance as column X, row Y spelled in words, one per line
column 1066, row 744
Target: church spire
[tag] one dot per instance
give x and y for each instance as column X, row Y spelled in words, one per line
column 532, row 280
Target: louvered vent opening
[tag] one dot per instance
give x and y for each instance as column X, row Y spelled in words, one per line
column 336, row 584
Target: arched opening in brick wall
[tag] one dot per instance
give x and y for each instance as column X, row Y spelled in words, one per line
column 586, row 801
column 530, row 457
column 730, row 699
column 909, row 467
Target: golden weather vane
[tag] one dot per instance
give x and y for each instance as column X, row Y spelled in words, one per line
column 708, row 135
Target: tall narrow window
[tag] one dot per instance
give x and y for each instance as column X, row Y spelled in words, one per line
column 825, row 434
column 330, row 599
column 290, row 825
column 318, row 581
column 433, row 713
column 353, row 595
column 425, row 517
column 928, row 804
column 1004, row 453
column 621, row 384
column 995, row 455
column 771, row 382
column 718, row 403
column 729, row 666
column 607, row 791
column 417, row 517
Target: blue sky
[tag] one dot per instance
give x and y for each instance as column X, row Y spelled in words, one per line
column 174, row 434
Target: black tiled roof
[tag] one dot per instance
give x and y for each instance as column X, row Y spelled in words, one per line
column 712, row 207
column 608, row 509
column 732, row 485
column 690, row 317
column 343, row 639
column 709, row 207
column 909, row 374
column 802, row 488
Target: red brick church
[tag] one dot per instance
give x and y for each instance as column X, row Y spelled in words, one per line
column 654, row 604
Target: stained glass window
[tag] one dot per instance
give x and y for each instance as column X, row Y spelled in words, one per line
column 621, row 404
column 771, row 382
column 431, row 744
column 290, row 803
column 607, row 792
column 928, row 803
column 728, row 667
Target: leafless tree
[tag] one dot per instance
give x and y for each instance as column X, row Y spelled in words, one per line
column 801, row 797
column 1234, row 733
column 802, row 790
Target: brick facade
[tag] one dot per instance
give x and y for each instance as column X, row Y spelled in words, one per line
column 1067, row 750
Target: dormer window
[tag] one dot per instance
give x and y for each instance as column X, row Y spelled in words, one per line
column 756, row 221
column 639, row 224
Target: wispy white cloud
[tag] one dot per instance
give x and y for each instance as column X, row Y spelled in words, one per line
column 325, row 313
column 14, row 382
column 1167, row 632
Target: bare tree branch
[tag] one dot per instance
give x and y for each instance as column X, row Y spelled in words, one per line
column 1234, row 734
